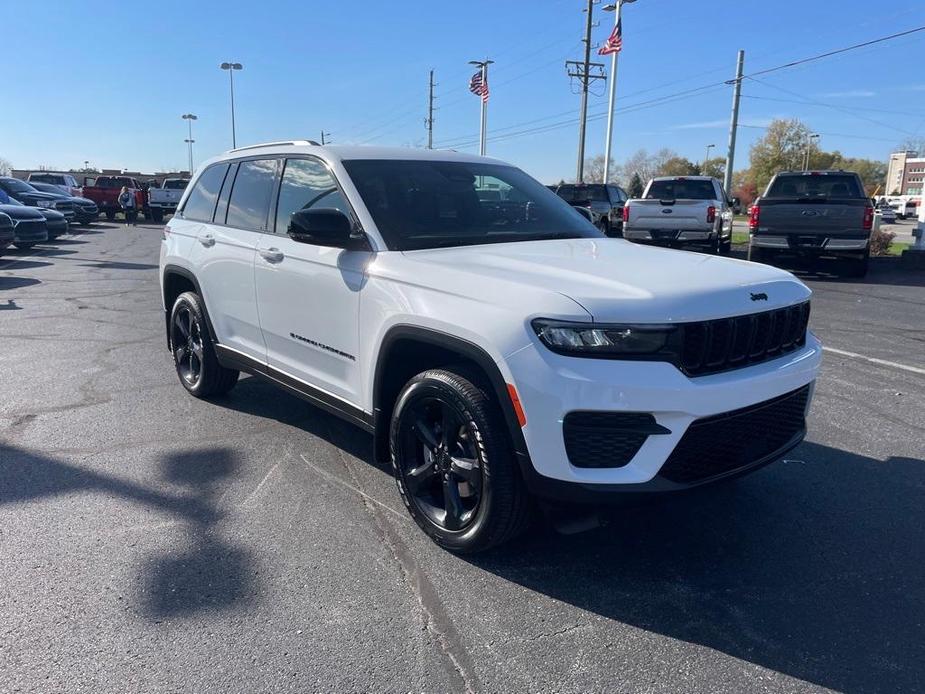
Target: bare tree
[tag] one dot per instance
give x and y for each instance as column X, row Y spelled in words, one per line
column 594, row 170
column 6, row 168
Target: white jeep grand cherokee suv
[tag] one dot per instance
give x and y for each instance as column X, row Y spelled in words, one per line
column 499, row 347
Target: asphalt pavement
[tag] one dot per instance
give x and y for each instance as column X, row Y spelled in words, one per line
column 152, row 542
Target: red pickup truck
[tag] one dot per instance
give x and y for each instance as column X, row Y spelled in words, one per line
column 105, row 193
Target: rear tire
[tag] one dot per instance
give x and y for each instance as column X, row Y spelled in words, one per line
column 761, row 255
column 453, row 462
column 157, row 216
column 24, row 246
column 110, row 215
column 725, row 247
column 194, row 352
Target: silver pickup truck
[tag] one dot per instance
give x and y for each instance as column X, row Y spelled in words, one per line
column 812, row 214
column 163, row 200
column 681, row 211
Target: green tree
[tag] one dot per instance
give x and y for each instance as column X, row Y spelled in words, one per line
column 715, row 167
column 635, row 187
column 781, row 149
column 678, row 166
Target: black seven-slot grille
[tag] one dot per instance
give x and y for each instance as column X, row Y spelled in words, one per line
column 729, row 343
column 723, row 443
column 606, row 439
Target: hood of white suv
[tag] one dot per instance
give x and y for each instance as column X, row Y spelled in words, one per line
column 615, row 280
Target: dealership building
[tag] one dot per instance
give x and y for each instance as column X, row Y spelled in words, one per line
column 905, row 173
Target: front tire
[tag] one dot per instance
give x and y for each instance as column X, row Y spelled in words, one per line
column 194, row 352
column 157, row 215
column 24, row 246
column 453, row 462
column 110, row 215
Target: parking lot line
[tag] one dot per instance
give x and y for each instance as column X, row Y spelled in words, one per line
column 874, row 360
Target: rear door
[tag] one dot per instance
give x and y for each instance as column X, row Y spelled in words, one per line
column 225, row 253
column 309, row 296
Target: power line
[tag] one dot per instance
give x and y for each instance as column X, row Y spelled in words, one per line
column 819, row 132
column 836, row 52
column 853, row 108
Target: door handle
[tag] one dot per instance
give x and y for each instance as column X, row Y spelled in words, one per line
column 271, row 255
column 207, row 240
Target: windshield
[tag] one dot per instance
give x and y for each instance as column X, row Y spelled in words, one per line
column 681, row 189
column 815, row 186
column 14, row 185
column 175, row 184
column 46, row 188
column 113, row 182
column 7, row 200
column 582, row 193
column 46, row 178
column 432, row 204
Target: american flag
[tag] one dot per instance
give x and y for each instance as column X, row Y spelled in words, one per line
column 614, row 43
column 478, row 87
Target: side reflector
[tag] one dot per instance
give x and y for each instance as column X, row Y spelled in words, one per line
column 518, row 408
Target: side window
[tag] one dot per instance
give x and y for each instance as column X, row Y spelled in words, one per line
column 251, row 193
column 201, row 201
column 306, row 183
column 221, row 210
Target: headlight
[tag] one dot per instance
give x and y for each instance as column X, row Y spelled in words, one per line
column 608, row 340
column 49, row 204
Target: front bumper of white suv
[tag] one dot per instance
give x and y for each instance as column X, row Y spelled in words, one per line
column 595, row 426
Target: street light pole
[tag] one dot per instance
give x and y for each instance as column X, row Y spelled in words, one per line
column 189, row 118
column 809, row 145
column 706, row 158
column 231, row 67
column 612, row 96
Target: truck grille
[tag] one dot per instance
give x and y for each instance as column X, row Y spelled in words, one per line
column 729, row 343
column 723, row 443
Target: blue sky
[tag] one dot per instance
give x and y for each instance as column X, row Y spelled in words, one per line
column 107, row 82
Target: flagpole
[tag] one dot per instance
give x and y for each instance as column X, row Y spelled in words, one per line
column 611, row 98
column 483, row 122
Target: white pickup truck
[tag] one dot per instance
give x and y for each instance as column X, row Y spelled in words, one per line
column 679, row 211
column 163, row 201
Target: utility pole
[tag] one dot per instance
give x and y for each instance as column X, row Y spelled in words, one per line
column 325, row 135
column 582, row 71
column 734, row 123
column 706, row 158
column 809, row 147
column 429, row 121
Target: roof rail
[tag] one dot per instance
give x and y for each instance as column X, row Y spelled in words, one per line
column 275, row 144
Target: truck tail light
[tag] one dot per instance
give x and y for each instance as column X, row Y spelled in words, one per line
column 868, row 218
column 753, row 216
column 711, row 214
column 626, row 213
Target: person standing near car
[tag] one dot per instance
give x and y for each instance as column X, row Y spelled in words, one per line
column 127, row 203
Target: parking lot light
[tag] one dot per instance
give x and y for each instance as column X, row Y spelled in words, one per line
column 189, row 118
column 231, row 67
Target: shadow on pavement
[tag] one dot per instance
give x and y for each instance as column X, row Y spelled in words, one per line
column 812, row 568
column 12, row 264
column 884, row 270
column 209, row 574
column 18, row 282
column 119, row 265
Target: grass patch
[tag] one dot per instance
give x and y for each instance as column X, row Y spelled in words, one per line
column 897, row 248
column 739, row 237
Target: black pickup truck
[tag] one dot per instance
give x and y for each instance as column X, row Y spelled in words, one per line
column 813, row 214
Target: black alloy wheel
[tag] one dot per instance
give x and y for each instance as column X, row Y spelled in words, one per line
column 193, row 351
column 441, row 470
column 453, row 461
column 186, row 338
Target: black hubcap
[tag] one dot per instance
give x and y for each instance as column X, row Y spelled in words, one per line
column 439, row 463
column 186, row 337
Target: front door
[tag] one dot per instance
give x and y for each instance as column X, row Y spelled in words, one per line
column 308, row 296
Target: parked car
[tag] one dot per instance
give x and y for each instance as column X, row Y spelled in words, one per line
column 27, row 195
column 887, row 214
column 7, row 232
column 105, row 193
column 56, row 223
column 681, row 211
column 494, row 354
column 85, row 210
column 66, row 182
column 163, row 199
column 604, row 201
column 813, row 214
column 28, row 223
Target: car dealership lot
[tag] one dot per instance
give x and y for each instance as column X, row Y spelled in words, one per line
column 154, row 542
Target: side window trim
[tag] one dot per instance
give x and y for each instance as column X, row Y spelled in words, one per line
column 277, row 175
column 230, row 172
column 193, row 187
column 354, row 218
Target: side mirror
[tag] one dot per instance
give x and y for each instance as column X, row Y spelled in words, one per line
column 322, row 227
column 584, row 212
